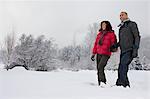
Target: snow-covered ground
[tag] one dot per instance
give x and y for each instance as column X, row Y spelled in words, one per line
column 21, row 84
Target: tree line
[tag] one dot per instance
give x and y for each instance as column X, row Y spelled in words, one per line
column 42, row 54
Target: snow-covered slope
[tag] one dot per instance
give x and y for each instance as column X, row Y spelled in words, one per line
column 21, row 84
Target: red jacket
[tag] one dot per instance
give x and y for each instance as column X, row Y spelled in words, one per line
column 108, row 40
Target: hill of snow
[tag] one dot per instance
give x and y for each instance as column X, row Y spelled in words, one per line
column 60, row 84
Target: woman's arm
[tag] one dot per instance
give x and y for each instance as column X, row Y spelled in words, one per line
column 114, row 44
column 113, row 39
column 95, row 46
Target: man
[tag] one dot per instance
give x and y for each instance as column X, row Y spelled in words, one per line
column 129, row 40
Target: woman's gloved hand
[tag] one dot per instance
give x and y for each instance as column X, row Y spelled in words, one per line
column 93, row 57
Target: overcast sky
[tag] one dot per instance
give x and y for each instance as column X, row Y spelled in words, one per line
column 63, row 20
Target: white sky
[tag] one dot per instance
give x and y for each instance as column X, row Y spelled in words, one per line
column 65, row 19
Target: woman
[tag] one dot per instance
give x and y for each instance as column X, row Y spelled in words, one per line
column 105, row 39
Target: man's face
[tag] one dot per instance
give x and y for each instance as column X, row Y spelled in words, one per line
column 123, row 16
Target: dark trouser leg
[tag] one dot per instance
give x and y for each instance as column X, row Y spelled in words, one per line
column 101, row 63
column 98, row 58
column 125, row 60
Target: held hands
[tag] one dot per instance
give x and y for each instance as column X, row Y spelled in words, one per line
column 114, row 47
column 93, row 57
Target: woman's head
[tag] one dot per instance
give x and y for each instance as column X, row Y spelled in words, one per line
column 105, row 25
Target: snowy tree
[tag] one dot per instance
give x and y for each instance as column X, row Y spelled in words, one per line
column 87, row 46
column 70, row 55
column 78, row 56
column 136, row 64
column 113, row 62
column 34, row 53
column 144, row 53
column 145, row 65
column 7, row 51
column 78, row 52
column 90, row 38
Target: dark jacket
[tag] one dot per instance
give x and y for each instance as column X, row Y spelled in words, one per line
column 129, row 37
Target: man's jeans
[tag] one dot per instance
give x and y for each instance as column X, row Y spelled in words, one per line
column 125, row 59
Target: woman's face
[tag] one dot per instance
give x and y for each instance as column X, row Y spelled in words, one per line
column 104, row 26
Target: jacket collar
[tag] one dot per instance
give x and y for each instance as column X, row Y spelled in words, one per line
column 122, row 23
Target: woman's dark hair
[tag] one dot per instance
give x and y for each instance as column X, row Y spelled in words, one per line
column 108, row 26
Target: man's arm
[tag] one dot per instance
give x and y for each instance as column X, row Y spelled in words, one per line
column 136, row 35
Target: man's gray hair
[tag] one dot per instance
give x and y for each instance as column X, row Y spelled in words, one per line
column 124, row 12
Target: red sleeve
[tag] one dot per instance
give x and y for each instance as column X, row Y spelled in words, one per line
column 113, row 39
column 95, row 46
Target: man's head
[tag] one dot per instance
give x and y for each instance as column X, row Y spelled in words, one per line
column 123, row 16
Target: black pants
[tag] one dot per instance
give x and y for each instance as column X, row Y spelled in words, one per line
column 125, row 60
column 101, row 63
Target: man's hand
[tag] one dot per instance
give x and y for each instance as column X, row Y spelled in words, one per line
column 92, row 57
column 135, row 53
column 114, row 47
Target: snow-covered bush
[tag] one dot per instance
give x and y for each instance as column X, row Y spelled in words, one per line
column 34, row 53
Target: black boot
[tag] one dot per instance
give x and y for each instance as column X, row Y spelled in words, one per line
column 122, row 83
column 99, row 83
column 126, row 84
column 118, row 83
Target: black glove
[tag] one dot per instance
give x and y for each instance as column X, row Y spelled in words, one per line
column 114, row 47
column 92, row 57
column 135, row 53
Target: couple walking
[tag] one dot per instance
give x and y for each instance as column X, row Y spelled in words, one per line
column 106, row 43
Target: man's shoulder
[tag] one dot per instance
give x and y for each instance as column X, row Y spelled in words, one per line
column 132, row 23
